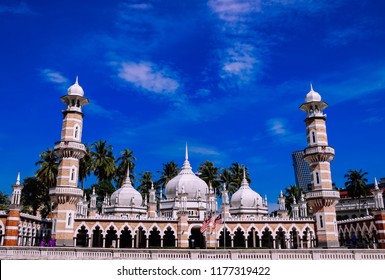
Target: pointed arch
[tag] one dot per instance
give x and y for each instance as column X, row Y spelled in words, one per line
column 111, row 224
column 238, row 226
column 125, row 225
column 162, row 232
column 79, row 227
column 97, row 224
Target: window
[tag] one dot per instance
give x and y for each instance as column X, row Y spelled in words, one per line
column 76, row 133
column 317, row 177
column 321, row 222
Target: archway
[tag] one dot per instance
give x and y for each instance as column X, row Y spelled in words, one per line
column 97, row 237
column 125, row 238
column 253, row 239
column 226, row 238
column 280, row 239
column 111, row 238
column 169, row 238
column 196, row 239
column 294, row 239
column 140, row 238
column 82, row 237
column 154, row 238
column 267, row 239
column 239, row 238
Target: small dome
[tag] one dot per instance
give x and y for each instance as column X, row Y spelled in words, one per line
column 312, row 95
column 75, row 89
column 127, row 195
column 186, row 182
column 245, row 196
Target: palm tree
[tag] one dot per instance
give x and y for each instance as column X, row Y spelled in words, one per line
column 291, row 192
column 49, row 163
column 209, row 173
column 236, row 170
column 102, row 189
column 356, row 185
column 103, row 161
column 126, row 159
column 85, row 166
column 225, row 177
column 170, row 170
column 145, row 181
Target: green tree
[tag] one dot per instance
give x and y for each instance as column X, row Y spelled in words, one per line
column 102, row 189
column 232, row 177
column 145, row 181
column 4, row 201
column 85, row 166
column 356, row 185
column 126, row 159
column 169, row 171
column 48, row 170
column 35, row 197
column 291, row 192
column 103, row 161
column 209, row 173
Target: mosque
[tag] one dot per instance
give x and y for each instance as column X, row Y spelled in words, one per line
column 129, row 221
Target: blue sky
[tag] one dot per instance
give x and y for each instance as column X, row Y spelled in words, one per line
column 227, row 77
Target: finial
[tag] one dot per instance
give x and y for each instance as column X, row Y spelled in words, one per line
column 281, row 194
column 311, row 87
column 93, row 191
column 224, row 186
column 127, row 181
column 152, row 185
column 375, row 184
column 244, row 173
column 186, row 157
column 77, row 80
column 294, row 200
column 18, row 178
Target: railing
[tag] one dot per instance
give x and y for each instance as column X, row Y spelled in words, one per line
column 69, row 145
column 41, row 253
column 66, row 190
column 354, row 220
column 323, row 194
column 316, row 150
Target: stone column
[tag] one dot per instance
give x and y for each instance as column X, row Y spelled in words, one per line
column 161, row 243
column 104, row 242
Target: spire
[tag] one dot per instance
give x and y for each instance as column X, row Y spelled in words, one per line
column 186, row 164
column 311, row 87
column 152, row 185
column 244, row 183
column 375, row 184
column 18, row 178
column 281, row 194
column 93, row 191
column 127, row 181
column 77, row 80
column 224, row 186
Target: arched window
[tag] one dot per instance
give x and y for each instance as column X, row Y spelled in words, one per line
column 73, row 174
column 313, row 137
column 76, row 132
column 317, row 178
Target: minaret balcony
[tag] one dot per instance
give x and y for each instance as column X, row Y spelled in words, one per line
column 321, row 198
column 70, row 149
column 318, row 153
column 70, row 191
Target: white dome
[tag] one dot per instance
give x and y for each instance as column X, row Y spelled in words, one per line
column 312, row 96
column 186, row 182
column 245, row 197
column 126, row 195
column 75, row 89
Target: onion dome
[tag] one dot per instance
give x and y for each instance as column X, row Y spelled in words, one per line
column 312, row 95
column 127, row 195
column 245, row 196
column 186, row 182
column 76, row 89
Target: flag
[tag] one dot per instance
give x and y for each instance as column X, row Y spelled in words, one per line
column 218, row 220
column 205, row 224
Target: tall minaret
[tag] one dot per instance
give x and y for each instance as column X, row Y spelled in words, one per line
column 13, row 218
column 322, row 198
column 70, row 150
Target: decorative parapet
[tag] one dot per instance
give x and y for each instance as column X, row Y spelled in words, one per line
column 123, row 218
column 323, row 194
column 35, row 218
column 360, row 219
column 60, row 253
column 65, row 191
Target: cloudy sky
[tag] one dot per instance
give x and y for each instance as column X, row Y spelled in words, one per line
column 225, row 76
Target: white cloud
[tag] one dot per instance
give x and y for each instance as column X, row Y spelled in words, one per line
column 203, row 151
column 234, row 10
column 150, row 77
column 53, row 76
column 21, row 9
column 277, row 127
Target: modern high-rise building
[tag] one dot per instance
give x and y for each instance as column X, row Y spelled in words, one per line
column 301, row 170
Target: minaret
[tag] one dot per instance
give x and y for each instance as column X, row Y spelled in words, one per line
column 322, row 198
column 70, row 150
column 151, row 207
column 282, row 211
column 377, row 193
column 13, row 218
column 93, row 208
column 302, row 206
